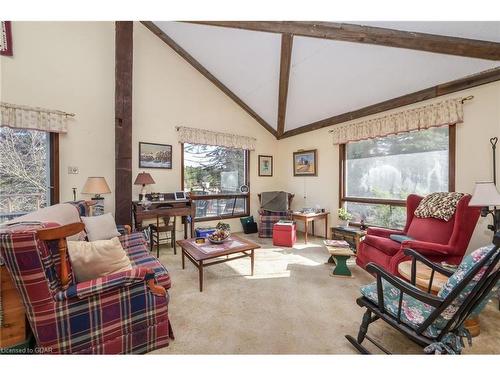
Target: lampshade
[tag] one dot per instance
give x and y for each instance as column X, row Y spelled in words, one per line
column 485, row 195
column 96, row 185
column 144, row 178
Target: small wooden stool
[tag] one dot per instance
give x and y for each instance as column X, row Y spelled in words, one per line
column 340, row 256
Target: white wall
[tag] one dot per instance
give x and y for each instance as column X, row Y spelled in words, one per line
column 473, row 156
column 168, row 92
column 69, row 66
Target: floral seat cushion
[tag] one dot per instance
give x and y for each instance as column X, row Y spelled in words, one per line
column 414, row 312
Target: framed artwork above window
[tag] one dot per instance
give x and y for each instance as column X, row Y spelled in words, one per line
column 376, row 175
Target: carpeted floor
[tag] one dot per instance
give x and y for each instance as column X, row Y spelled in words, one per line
column 290, row 306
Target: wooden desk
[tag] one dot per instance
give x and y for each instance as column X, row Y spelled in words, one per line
column 183, row 208
column 422, row 282
column 311, row 218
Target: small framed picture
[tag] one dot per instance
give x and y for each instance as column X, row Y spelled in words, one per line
column 305, row 163
column 265, row 166
column 155, row 155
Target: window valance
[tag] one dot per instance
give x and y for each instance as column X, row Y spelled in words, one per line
column 208, row 137
column 25, row 117
column 442, row 113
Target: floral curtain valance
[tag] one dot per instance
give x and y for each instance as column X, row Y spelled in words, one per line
column 447, row 112
column 24, row 117
column 208, row 137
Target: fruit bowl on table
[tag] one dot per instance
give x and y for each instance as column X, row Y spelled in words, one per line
column 219, row 237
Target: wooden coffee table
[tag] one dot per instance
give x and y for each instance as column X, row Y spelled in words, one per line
column 201, row 259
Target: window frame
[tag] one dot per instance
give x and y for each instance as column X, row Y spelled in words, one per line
column 53, row 165
column 392, row 202
column 195, row 198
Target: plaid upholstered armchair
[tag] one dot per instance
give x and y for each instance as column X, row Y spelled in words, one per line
column 268, row 218
column 125, row 312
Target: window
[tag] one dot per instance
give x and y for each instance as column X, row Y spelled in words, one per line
column 213, row 175
column 378, row 174
column 28, row 171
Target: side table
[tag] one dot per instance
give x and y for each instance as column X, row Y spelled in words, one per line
column 311, row 218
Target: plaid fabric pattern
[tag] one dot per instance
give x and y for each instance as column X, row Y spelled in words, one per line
column 113, row 314
column 267, row 219
column 82, row 207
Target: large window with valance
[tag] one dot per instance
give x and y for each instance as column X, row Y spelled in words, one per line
column 378, row 174
column 213, row 175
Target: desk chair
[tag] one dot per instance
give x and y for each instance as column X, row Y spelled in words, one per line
column 163, row 226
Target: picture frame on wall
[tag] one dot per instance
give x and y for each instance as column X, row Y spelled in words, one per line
column 6, row 38
column 155, row 155
column 305, row 163
column 265, row 166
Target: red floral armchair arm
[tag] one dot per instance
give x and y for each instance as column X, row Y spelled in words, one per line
column 111, row 282
column 382, row 232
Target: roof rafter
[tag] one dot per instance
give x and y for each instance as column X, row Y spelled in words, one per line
column 200, row 68
column 474, row 80
column 286, row 59
column 372, row 35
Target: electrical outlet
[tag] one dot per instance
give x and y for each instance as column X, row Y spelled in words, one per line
column 73, row 170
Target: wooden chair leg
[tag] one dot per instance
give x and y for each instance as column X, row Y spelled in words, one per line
column 150, row 239
column 173, row 242
column 158, row 244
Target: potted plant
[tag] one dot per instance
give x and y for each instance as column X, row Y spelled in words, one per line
column 344, row 217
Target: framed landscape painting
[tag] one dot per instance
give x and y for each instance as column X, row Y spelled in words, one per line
column 265, row 166
column 155, row 155
column 305, row 163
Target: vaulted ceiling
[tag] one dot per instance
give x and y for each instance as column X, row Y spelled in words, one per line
column 294, row 77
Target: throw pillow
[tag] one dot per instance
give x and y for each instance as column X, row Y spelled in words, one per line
column 438, row 205
column 101, row 227
column 90, row 260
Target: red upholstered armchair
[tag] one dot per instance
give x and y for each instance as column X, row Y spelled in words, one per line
column 436, row 239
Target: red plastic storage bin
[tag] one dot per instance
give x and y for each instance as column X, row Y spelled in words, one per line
column 284, row 235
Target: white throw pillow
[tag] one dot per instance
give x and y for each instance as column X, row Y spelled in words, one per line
column 91, row 260
column 101, row 227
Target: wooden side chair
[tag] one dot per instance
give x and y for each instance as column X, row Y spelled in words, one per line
column 434, row 322
column 164, row 224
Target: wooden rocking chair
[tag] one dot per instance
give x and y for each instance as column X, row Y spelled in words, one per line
column 433, row 322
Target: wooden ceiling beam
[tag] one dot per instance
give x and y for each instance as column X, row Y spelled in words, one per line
column 286, row 59
column 482, row 78
column 372, row 35
column 200, row 68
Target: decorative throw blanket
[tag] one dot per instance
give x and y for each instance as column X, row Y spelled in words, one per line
column 274, row 201
column 438, row 205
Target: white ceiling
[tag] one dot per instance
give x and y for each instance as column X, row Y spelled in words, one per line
column 327, row 77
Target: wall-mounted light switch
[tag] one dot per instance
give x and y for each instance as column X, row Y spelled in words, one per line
column 73, row 170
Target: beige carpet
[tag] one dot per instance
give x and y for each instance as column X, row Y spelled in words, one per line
column 290, row 306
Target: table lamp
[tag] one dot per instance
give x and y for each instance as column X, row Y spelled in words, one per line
column 97, row 186
column 144, row 179
column 485, row 196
